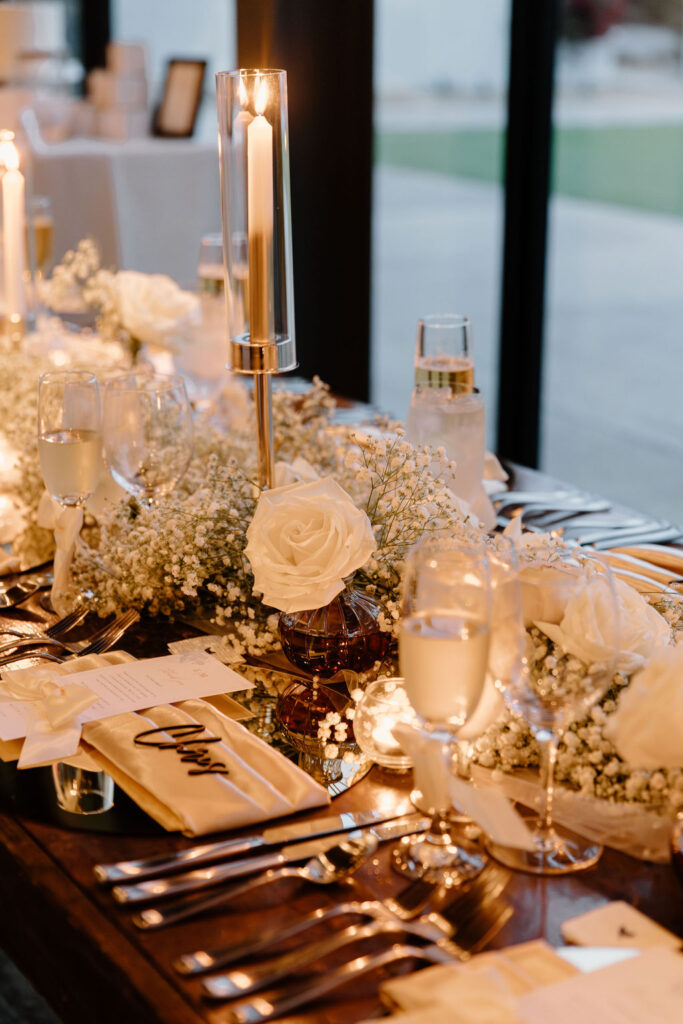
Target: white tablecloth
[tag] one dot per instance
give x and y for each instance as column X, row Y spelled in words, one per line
column 146, row 202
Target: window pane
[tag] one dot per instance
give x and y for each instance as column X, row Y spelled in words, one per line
column 612, row 408
column 441, row 74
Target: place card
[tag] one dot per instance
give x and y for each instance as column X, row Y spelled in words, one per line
column 618, row 924
column 646, row 988
column 132, row 686
column 210, row 642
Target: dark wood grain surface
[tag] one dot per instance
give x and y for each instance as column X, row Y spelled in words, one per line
column 82, row 952
column 80, row 949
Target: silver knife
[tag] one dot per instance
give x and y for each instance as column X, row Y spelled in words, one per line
column 153, row 867
column 204, row 878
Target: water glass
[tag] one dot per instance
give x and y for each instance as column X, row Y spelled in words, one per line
column 452, row 417
column 147, row 433
column 80, row 791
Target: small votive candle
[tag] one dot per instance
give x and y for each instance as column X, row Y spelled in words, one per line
column 383, row 706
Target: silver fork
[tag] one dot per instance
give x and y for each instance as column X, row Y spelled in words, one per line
column 278, row 1002
column 54, row 632
column 406, row 905
column 98, row 644
column 472, row 916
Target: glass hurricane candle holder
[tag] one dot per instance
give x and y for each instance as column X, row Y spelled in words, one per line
column 383, row 706
column 343, row 634
column 253, row 145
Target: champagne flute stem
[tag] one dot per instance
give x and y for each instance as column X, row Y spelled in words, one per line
column 548, row 742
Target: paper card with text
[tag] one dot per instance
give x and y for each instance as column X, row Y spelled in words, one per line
column 135, row 685
column 618, row 924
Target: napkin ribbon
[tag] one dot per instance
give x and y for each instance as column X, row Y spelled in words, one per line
column 66, row 531
column 53, row 730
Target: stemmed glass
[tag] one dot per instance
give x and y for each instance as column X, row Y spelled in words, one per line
column 69, row 435
column 443, row 352
column 70, row 449
column 549, row 697
column 443, row 654
column 147, row 433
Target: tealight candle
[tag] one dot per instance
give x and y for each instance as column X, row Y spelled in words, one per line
column 382, row 707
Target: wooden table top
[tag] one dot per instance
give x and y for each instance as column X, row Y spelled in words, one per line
column 82, row 952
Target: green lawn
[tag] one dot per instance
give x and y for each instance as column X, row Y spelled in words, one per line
column 637, row 167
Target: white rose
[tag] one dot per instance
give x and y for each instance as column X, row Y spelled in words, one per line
column 546, row 589
column 647, row 727
column 303, row 540
column 588, row 630
column 299, row 471
column 153, row 308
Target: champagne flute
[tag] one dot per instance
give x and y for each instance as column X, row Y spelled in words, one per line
column 549, row 698
column 70, row 450
column 443, row 352
column 147, row 424
column 69, row 435
column 443, row 655
column 43, row 225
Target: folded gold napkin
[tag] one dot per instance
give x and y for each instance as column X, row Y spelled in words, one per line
column 485, row 989
column 193, row 769
column 206, row 775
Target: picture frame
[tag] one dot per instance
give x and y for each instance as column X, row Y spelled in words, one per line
column 176, row 115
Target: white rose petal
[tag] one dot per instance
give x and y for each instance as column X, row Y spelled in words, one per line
column 153, row 308
column 303, row 540
column 299, row 471
column 647, row 727
column 546, row 590
column 587, row 630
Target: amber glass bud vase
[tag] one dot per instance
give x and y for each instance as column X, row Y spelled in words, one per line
column 343, row 634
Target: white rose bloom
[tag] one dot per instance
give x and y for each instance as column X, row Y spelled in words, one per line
column 303, row 540
column 299, row 471
column 546, row 589
column 647, row 727
column 153, row 308
column 587, row 629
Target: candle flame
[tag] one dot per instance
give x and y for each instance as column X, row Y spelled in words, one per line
column 242, row 93
column 9, row 155
column 261, row 98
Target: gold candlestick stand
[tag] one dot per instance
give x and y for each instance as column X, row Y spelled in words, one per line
column 263, row 360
